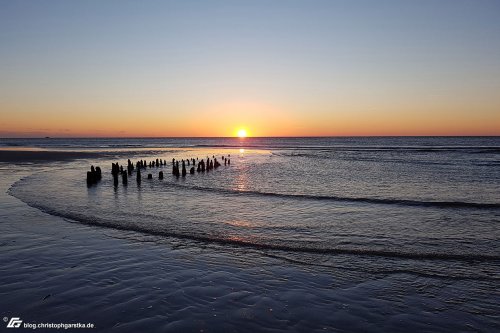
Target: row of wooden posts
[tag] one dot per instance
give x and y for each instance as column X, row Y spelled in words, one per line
column 95, row 174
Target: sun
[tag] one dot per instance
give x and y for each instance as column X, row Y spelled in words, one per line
column 242, row 133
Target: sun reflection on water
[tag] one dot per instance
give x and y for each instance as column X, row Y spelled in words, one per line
column 240, row 223
column 242, row 181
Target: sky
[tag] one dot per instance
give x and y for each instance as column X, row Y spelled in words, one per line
column 274, row 68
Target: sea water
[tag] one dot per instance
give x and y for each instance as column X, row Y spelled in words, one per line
column 426, row 205
column 420, row 206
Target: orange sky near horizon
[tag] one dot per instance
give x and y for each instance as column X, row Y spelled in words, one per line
column 258, row 119
column 174, row 69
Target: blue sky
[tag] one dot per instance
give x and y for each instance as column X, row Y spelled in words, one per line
column 311, row 62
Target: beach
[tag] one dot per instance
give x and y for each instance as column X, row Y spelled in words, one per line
column 158, row 272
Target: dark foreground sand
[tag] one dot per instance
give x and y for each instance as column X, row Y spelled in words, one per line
column 55, row 271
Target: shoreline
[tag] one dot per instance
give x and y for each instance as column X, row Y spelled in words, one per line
column 43, row 155
column 37, row 155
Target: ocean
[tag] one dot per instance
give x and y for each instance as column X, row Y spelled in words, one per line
column 357, row 209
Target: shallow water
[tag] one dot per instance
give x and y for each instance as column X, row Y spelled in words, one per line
column 433, row 209
column 358, row 208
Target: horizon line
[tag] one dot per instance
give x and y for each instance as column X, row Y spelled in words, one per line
column 249, row 137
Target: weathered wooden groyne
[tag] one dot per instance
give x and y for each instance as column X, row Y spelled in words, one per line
column 179, row 168
column 94, row 175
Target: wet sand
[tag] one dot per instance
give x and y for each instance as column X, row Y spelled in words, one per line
column 23, row 155
column 54, row 270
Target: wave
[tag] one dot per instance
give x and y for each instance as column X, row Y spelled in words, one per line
column 355, row 148
column 357, row 157
column 380, row 201
column 96, row 221
column 387, row 272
